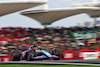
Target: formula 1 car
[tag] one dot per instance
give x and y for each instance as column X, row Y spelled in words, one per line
column 35, row 53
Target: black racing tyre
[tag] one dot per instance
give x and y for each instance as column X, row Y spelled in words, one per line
column 57, row 53
column 15, row 55
column 30, row 55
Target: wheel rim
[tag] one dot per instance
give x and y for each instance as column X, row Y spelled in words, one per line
column 28, row 55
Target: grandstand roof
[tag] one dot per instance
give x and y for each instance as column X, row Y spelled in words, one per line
column 7, row 7
column 90, row 4
column 47, row 16
column 94, row 14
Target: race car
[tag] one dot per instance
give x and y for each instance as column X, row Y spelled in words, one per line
column 35, row 53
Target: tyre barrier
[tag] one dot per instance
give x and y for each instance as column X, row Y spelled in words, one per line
column 5, row 58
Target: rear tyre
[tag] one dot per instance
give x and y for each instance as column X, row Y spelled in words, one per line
column 15, row 55
column 57, row 53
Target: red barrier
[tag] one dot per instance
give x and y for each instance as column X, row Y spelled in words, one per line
column 68, row 55
column 0, row 58
column 76, row 54
column 5, row 58
column 81, row 53
column 61, row 55
column 98, row 50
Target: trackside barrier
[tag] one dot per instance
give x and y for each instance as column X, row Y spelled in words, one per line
column 76, row 54
column 68, row 55
column 98, row 51
column 61, row 55
column 81, row 53
column 5, row 58
column 0, row 58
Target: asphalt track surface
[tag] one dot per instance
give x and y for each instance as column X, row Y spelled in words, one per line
column 56, row 62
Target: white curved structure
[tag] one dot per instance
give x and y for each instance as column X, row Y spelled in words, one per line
column 92, row 4
column 94, row 14
column 47, row 16
column 7, row 7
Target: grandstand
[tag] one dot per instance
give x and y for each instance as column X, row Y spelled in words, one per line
column 65, row 38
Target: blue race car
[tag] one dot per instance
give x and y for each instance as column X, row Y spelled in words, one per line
column 35, row 53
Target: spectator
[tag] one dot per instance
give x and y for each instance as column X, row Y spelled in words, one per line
column 22, row 38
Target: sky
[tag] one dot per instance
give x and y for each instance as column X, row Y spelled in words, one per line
column 18, row 20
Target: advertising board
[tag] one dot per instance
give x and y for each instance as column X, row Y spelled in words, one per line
column 85, row 35
column 90, row 55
